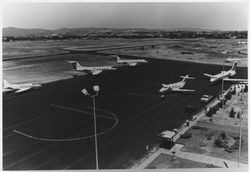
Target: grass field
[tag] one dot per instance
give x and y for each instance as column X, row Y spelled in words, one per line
column 201, row 51
column 203, row 139
column 164, row 161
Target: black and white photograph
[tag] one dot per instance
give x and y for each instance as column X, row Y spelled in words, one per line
column 124, row 85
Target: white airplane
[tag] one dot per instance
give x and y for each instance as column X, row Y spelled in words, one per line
column 233, row 60
column 94, row 70
column 241, row 43
column 130, row 62
column 225, row 75
column 226, row 51
column 176, row 87
column 18, row 88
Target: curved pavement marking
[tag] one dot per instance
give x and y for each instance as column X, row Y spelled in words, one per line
column 77, row 138
column 80, row 111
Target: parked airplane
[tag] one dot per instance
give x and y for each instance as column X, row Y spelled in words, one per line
column 18, row 88
column 241, row 43
column 130, row 62
column 233, row 60
column 94, row 70
column 226, row 51
column 176, row 87
column 225, row 75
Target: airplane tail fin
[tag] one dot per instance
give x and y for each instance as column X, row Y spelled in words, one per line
column 186, row 77
column 75, row 64
column 234, row 66
column 5, row 83
column 117, row 58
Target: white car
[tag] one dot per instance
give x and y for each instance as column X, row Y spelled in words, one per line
column 205, row 98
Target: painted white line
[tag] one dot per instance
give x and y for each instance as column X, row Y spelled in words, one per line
column 80, row 111
column 72, row 139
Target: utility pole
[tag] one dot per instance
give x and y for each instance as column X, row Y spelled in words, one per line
column 85, row 92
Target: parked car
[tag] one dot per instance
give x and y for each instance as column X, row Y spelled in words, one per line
column 205, row 98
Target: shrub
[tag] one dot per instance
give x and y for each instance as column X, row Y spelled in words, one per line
column 210, row 166
column 223, row 135
column 232, row 113
column 228, row 96
column 209, row 138
column 186, row 135
column 220, row 104
column 229, row 150
column 221, row 140
column 246, row 88
column 238, row 115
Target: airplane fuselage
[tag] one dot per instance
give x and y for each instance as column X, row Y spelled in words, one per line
column 96, row 68
column 222, row 75
column 170, row 87
column 15, row 87
column 132, row 61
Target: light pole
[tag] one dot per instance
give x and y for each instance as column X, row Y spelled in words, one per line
column 241, row 118
column 222, row 85
column 85, row 92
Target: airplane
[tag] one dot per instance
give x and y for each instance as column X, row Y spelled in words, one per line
column 130, row 62
column 225, row 75
column 176, row 87
column 94, row 70
column 241, row 43
column 18, row 88
column 226, row 51
column 233, row 59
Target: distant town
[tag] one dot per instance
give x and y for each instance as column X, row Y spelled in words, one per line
column 17, row 34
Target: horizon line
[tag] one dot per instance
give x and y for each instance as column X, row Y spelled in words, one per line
column 189, row 28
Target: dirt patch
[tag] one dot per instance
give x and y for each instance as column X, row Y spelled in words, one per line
column 164, row 161
column 206, row 136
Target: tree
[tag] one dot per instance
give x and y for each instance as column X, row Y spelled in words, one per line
column 223, row 135
column 232, row 113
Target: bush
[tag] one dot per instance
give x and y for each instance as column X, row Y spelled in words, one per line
column 209, row 138
column 238, row 115
column 196, row 127
column 232, row 113
column 210, row 166
column 220, row 104
column 228, row 96
column 186, row 135
column 229, row 150
column 246, row 88
column 221, row 140
column 223, row 135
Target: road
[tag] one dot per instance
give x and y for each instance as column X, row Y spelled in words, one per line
column 52, row 127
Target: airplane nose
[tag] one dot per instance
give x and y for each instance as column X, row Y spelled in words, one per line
column 161, row 90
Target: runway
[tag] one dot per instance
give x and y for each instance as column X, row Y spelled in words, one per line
column 130, row 114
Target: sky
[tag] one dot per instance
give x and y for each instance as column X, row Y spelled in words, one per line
column 222, row 16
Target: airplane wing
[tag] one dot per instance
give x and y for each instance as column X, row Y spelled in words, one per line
column 23, row 89
column 208, row 75
column 182, row 90
column 95, row 72
column 235, row 80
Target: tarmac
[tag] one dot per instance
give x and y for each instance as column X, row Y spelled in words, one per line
column 51, row 128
